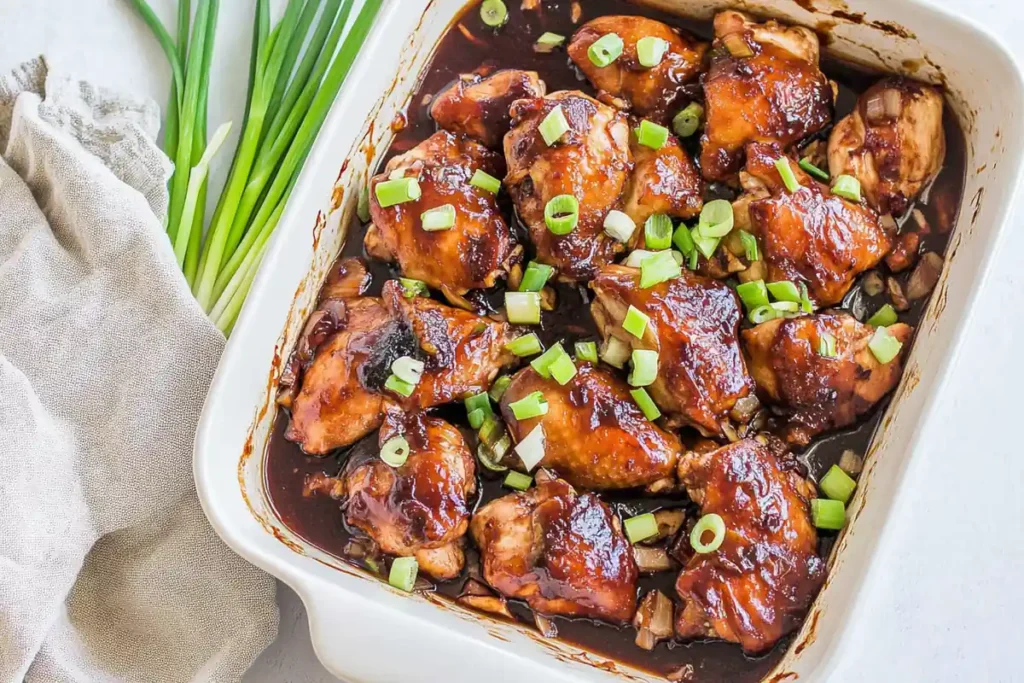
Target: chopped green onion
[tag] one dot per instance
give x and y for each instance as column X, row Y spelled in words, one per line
column 481, row 401
column 692, row 264
column 554, row 126
column 562, row 369
column 542, row 364
column 395, row 451
column 476, row 418
column 884, row 346
column 641, row 527
column 646, row 404
column 847, row 187
column 413, row 288
column 635, row 322
column 762, row 314
column 485, row 181
column 710, row 522
column 688, row 120
column 518, row 481
column 650, row 134
column 494, row 13
column 399, row 386
column 716, row 219
column 785, row 306
column 645, row 368
column 586, row 351
column 813, row 170
column 522, row 308
column 805, row 299
column 684, row 240
column 548, row 42
column 615, row 352
column 637, row 257
column 827, row 345
column 619, row 226
column 658, row 232
column 441, row 218
column 651, row 50
column 784, row 291
column 605, row 50
column 837, row 485
column 363, row 207
column 527, row 345
column 499, row 387
column 532, row 405
column 753, row 294
column 659, row 268
column 786, row 172
column 531, row 449
column 408, row 369
column 883, row 317
column 705, row 245
column 490, row 429
column 490, row 459
column 562, row 214
column 403, row 573
column 535, row 277
column 392, row 192
column 750, row 246
column 828, row 514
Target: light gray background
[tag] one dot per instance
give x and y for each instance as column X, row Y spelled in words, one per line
column 947, row 599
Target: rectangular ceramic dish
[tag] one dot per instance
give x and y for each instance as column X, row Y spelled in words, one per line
column 357, row 620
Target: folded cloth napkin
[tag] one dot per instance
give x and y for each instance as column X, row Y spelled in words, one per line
column 108, row 568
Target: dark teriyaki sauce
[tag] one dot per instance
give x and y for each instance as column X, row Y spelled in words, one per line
column 320, row 520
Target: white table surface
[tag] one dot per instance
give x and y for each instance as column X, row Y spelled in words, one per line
column 945, row 599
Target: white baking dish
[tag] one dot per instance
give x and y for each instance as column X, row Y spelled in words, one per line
column 365, row 631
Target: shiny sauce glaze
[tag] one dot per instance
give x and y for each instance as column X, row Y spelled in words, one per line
column 467, row 46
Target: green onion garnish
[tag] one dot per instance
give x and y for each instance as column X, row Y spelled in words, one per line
column 646, row 404
column 837, row 485
column 645, row 368
column 554, row 126
column 785, row 307
column 615, row 352
column 650, row 51
column 687, row 122
column 762, row 314
column 393, row 192
column 395, row 451
column 650, row 134
column 705, row 245
column 586, row 351
column 408, row 369
column 542, row 364
column 658, row 232
column 562, row 214
column 827, row 345
column 805, row 299
column 619, row 226
column 535, row 277
column 847, row 187
column 784, row 291
column 499, row 387
column 403, row 573
column 399, row 386
column 522, row 308
column 532, row 405
column 749, row 243
column 481, row 401
column 635, row 322
column 363, row 207
column 440, row 218
column 413, row 288
column 828, row 514
column 485, row 181
column 661, row 267
column 884, row 346
column 562, row 369
column 786, row 172
column 490, row 432
column 548, row 42
column 527, row 345
column 753, row 294
column 716, row 219
column 494, row 13
column 684, row 240
column 710, row 522
column 491, row 458
column 883, row 317
column 518, row 481
column 641, row 527
column 813, row 170
column 476, row 418
column 605, row 50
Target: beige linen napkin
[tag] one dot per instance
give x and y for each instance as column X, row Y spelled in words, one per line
column 108, row 569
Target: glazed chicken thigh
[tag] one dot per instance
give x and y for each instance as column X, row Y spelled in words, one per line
column 478, row 106
column 477, row 251
column 694, row 322
column 764, row 85
column 591, row 162
column 893, row 142
column 595, row 436
column 663, row 181
column 562, row 552
column 817, row 392
column 755, row 587
column 627, row 84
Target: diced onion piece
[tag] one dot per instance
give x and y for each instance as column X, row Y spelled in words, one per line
column 530, row 406
column 635, row 322
column 554, row 126
column 874, row 108
column 828, row 514
column 786, row 172
column 586, row 351
column 704, row 245
column 708, row 523
column 641, row 527
column 535, row 277
column 605, row 50
column 892, row 100
column 413, row 288
column 399, row 191
column 762, row 314
column 637, row 257
column 827, row 345
column 688, row 121
column 650, row 51
column 399, row 386
column 784, row 291
column 499, row 387
column 659, row 268
column 526, row 345
column 531, row 449
column 684, row 240
column 485, row 181
column 884, row 346
column 813, row 170
column 481, row 401
column 847, row 187
column 494, row 13
column 403, row 573
column 563, row 369
column 837, row 485
column 395, row 451
column 749, row 243
column 737, row 45
column 658, row 232
column 754, row 294
column 883, row 317
column 716, row 219
column 851, row 463
column 476, row 418
column 562, row 214
column 645, row 368
column 408, row 369
column 650, row 134
column 522, row 308
column 518, row 480
column 615, row 352
column 548, row 42
column 619, row 226
column 440, row 218
column 542, row 364
column 646, row 404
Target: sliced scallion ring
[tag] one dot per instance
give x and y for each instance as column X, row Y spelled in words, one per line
column 762, row 314
column 785, row 307
column 494, row 13
column 488, row 459
column 395, row 451
column 605, row 50
column 399, row 386
column 498, row 387
column 712, row 523
column 548, row 42
column 408, row 369
column 828, row 514
column 684, row 240
column 485, row 181
column 645, row 368
column 518, row 481
column 716, row 219
column 563, row 369
column 705, row 245
column 651, row 50
column 884, row 346
column 661, row 267
column 619, row 226
column 522, row 308
column 530, row 406
column 805, row 299
column 542, row 363
column 784, row 291
column 562, row 214
column 526, row 345
column 554, row 126
column 481, row 401
column 399, row 191
column 688, row 121
column 535, row 277
column 827, row 345
column 658, row 232
column 586, row 351
column 650, row 134
column 403, row 573
column 813, row 170
column 749, row 243
column 476, row 418
column 635, row 322
column 883, row 317
column 439, row 218
column 787, row 175
column 413, row 288
column 641, row 527
column 363, row 207
column 837, row 485
column 754, row 294
column 847, row 187
column 646, row 404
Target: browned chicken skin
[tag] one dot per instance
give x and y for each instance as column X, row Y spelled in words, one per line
column 478, row 106
column 648, row 91
column 591, row 162
column 776, row 94
column 475, row 253
column 663, row 181
column 756, row 586
column 820, row 393
column 694, row 323
column 564, row 553
column 595, row 435
column 893, row 142
column 810, row 235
